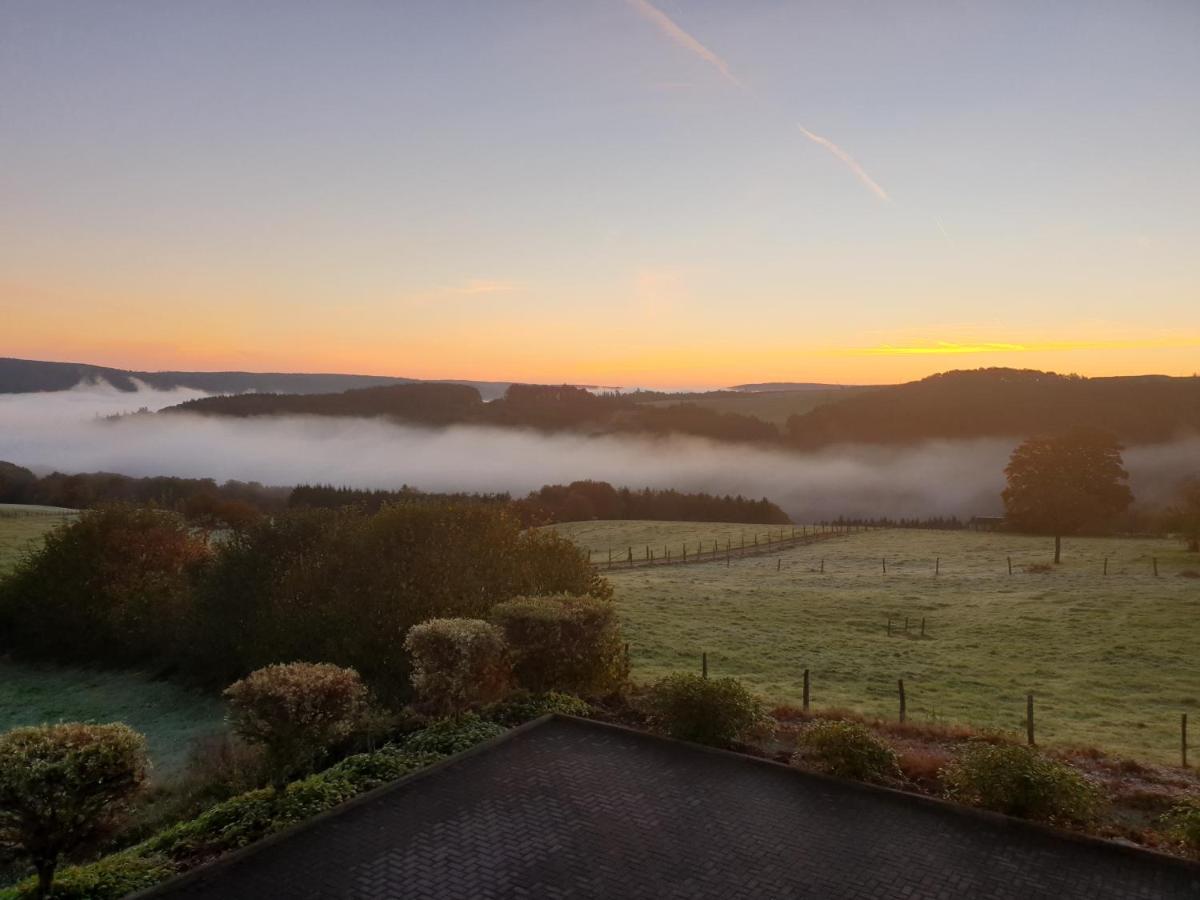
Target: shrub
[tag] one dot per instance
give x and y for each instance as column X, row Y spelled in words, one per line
column 1019, row 781
column 296, row 712
column 345, row 585
column 457, row 663
column 62, row 785
column 453, row 735
column 1183, row 825
column 564, row 643
column 109, row 878
column 715, row 711
column 846, row 750
column 112, row 586
column 526, row 707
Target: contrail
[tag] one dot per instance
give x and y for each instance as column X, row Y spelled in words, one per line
column 849, row 160
column 671, row 29
column 668, row 27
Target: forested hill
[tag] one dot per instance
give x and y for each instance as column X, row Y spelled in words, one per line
column 1005, row 403
column 22, row 376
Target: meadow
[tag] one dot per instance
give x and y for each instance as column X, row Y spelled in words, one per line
column 21, row 526
column 771, row 406
column 1112, row 660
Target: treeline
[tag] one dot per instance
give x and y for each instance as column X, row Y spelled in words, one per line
column 579, row 501
column 939, row 523
column 583, row 500
column 128, row 585
column 326, row 496
column 200, row 500
column 543, row 407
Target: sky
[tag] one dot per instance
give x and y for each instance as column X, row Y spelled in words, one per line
column 677, row 193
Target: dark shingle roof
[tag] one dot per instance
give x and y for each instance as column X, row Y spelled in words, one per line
column 570, row 808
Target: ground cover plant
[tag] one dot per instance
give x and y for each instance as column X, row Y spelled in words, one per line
column 847, row 750
column 719, row 711
column 1110, row 659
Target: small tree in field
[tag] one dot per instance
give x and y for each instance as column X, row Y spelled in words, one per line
column 296, row 712
column 63, row 785
column 1058, row 485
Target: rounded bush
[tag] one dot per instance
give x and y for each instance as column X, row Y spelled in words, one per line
column 846, row 750
column 564, row 643
column 458, row 663
column 296, row 711
column 1020, row 781
column 63, row 785
column 716, row 711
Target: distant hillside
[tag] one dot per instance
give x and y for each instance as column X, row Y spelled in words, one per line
column 1005, row 403
column 21, row 376
column 790, row 386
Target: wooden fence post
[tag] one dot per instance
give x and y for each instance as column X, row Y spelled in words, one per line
column 1183, row 747
column 922, row 626
column 1106, row 565
column 822, row 566
column 884, row 565
column 806, row 692
column 1154, row 560
column 778, row 563
column 1029, row 718
column 903, row 704
column 937, row 566
column 889, row 626
column 1010, row 565
column 704, row 665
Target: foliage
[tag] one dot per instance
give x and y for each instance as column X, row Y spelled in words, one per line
column 458, row 663
column 112, row 585
column 452, row 735
column 564, row 643
column 1184, row 514
column 1059, row 485
column 584, row 500
column 1020, row 781
column 345, row 586
column 63, row 785
column 846, row 750
column 714, row 711
column 1183, row 824
column 296, row 711
column 109, row 878
column 525, row 707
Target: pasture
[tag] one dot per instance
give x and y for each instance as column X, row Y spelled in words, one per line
column 771, row 406
column 170, row 716
column 1112, row 659
column 21, row 526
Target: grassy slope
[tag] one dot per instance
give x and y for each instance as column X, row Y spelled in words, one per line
column 772, row 406
column 1112, row 661
column 600, row 537
column 22, row 525
column 168, row 715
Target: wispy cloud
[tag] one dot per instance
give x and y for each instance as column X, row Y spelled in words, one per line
column 850, row 161
column 667, row 26
column 672, row 30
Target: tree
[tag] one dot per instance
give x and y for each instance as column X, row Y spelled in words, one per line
column 62, row 785
column 1185, row 514
column 1058, row 485
column 297, row 712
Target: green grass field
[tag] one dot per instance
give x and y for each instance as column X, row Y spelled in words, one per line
column 1112, row 661
column 167, row 714
column 21, row 526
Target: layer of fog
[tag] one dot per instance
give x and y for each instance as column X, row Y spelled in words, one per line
column 66, row 431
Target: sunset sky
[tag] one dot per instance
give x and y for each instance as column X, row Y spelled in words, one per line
column 677, row 193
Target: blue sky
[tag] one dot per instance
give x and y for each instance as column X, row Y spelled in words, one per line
column 570, row 191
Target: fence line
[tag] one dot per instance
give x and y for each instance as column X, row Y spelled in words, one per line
column 786, row 539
